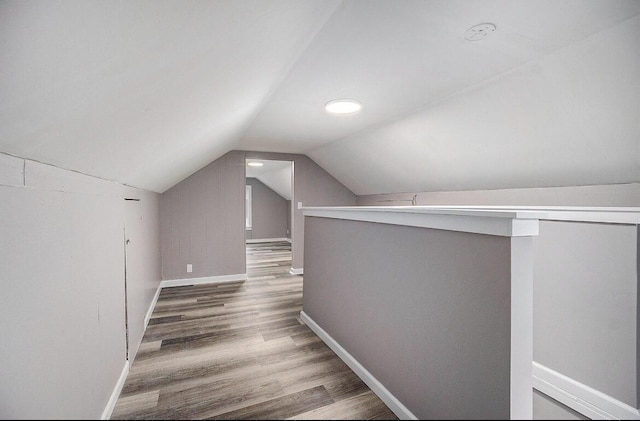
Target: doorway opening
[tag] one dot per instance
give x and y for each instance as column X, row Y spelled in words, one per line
column 268, row 202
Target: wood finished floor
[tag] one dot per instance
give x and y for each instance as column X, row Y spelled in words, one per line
column 239, row 351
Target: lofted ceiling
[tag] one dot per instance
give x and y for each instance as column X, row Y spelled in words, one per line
column 147, row 92
column 274, row 174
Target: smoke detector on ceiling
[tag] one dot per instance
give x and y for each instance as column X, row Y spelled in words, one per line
column 478, row 32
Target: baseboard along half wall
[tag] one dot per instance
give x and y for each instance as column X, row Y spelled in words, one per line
column 581, row 398
column 376, row 387
column 296, row 271
column 205, row 280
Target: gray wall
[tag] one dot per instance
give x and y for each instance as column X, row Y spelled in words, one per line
column 202, row 217
column 62, row 302
column 600, row 195
column 586, row 305
column 202, row 222
column 425, row 311
column 268, row 213
column 583, row 326
column 585, row 285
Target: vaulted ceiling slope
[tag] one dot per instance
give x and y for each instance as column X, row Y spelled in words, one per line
column 274, row 174
column 147, row 92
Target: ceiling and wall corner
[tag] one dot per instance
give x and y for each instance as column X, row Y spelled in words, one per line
column 146, row 93
column 566, row 119
column 274, row 174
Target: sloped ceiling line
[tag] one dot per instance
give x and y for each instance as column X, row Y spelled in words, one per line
column 287, row 70
column 146, row 93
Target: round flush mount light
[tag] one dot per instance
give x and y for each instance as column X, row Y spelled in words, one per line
column 255, row 164
column 478, row 32
column 342, row 106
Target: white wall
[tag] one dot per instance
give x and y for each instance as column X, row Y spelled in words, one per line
column 568, row 119
column 62, row 301
column 142, row 229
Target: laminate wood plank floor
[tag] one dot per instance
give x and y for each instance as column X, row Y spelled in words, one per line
column 239, row 351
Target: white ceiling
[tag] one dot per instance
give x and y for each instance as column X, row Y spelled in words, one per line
column 274, row 174
column 147, row 92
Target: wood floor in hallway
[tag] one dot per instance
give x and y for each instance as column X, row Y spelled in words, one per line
column 239, row 351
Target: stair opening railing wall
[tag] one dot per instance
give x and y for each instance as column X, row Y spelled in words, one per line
column 427, row 303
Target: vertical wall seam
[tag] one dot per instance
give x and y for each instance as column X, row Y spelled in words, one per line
column 24, row 173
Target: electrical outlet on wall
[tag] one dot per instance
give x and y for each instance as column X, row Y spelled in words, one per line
column 189, row 268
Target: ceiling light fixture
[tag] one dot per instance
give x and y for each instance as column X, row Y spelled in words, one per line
column 478, row 32
column 342, row 106
column 255, row 164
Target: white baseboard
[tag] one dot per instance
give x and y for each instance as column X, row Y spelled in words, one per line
column 205, row 280
column 106, row 414
column 108, row 410
column 376, row 387
column 266, row 240
column 296, row 271
column 152, row 306
column 580, row 397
